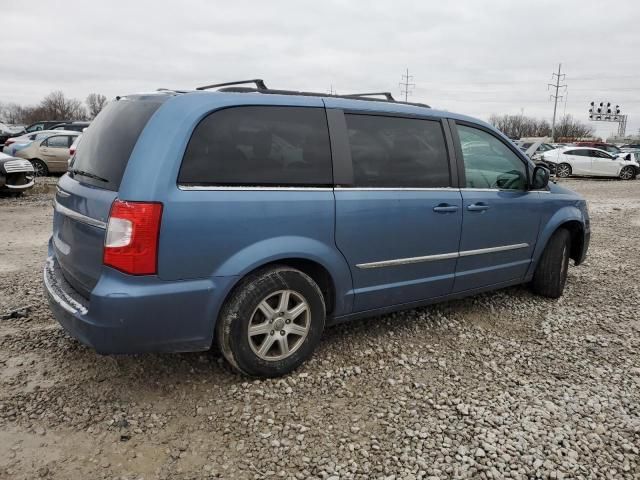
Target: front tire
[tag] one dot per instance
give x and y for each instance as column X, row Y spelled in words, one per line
column 627, row 173
column 271, row 323
column 40, row 168
column 550, row 276
column 563, row 170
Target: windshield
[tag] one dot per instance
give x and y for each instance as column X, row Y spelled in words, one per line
column 106, row 145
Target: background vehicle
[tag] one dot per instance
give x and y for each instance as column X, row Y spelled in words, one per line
column 16, row 174
column 590, row 162
column 74, row 146
column 252, row 218
column 8, row 131
column 534, row 150
column 75, row 126
column 607, row 147
column 43, row 125
column 48, row 151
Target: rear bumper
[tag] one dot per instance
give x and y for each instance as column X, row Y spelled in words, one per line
column 128, row 314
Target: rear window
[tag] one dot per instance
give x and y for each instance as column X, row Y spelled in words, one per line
column 107, row 144
column 259, row 146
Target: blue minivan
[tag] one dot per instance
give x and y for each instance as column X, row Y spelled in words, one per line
column 251, row 218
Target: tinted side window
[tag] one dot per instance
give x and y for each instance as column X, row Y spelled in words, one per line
column 489, row 163
column 259, row 146
column 580, row 153
column 397, row 152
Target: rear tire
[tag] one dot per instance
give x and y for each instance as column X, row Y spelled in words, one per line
column 563, row 170
column 627, row 173
column 551, row 273
column 286, row 312
column 40, row 168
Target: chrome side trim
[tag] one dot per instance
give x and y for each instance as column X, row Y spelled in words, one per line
column 441, row 256
column 408, row 261
column 241, row 188
column 21, row 187
column 503, row 248
column 420, row 189
column 78, row 216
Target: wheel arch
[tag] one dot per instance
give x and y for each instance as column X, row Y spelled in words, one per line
column 570, row 218
column 325, row 265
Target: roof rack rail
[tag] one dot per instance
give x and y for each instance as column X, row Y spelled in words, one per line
column 235, row 87
column 260, row 85
column 387, row 95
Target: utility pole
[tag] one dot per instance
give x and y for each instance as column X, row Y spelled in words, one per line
column 555, row 98
column 406, row 85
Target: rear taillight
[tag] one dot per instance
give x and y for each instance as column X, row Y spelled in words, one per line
column 9, row 141
column 131, row 242
column 72, row 151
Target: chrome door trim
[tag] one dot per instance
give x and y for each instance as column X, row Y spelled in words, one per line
column 421, row 189
column 247, row 188
column 78, row 216
column 408, row 261
column 503, row 248
column 441, row 256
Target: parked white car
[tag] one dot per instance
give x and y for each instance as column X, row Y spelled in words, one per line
column 587, row 161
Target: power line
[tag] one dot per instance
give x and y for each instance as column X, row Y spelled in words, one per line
column 555, row 98
column 405, row 86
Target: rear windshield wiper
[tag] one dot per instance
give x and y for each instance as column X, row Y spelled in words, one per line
column 89, row 175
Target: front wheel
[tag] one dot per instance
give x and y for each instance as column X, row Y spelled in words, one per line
column 40, row 168
column 563, row 170
column 627, row 173
column 271, row 323
column 550, row 276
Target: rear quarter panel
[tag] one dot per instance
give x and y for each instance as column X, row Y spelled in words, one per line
column 228, row 232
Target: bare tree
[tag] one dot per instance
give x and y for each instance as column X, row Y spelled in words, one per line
column 570, row 128
column 95, row 103
column 518, row 126
column 56, row 106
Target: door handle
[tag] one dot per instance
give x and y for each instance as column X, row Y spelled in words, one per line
column 478, row 207
column 445, row 208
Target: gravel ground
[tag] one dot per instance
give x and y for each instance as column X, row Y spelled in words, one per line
column 501, row 385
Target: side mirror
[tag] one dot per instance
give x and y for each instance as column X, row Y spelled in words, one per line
column 540, row 179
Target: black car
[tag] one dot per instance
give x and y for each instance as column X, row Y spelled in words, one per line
column 44, row 125
column 75, row 126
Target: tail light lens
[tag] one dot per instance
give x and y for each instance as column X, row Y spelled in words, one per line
column 131, row 242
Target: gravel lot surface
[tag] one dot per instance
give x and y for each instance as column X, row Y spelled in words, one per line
column 501, row 385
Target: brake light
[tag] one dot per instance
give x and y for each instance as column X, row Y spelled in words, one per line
column 131, row 242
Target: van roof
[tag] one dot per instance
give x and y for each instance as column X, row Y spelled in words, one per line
column 354, row 102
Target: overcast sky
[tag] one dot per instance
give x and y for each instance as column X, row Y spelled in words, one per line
column 472, row 57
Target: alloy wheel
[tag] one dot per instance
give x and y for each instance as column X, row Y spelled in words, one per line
column 563, row 170
column 626, row 173
column 279, row 325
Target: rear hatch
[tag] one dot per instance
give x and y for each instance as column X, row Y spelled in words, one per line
column 85, row 194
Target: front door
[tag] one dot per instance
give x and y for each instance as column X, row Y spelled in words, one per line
column 580, row 161
column 500, row 217
column 603, row 164
column 398, row 222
